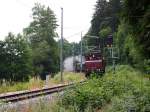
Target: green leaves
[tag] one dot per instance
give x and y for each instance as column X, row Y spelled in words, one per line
column 105, row 32
column 106, row 14
column 16, row 60
column 121, row 91
column 136, row 16
column 41, row 33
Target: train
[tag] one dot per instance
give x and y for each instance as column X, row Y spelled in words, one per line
column 95, row 61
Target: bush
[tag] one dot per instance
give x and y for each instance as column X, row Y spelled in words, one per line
column 68, row 77
column 127, row 89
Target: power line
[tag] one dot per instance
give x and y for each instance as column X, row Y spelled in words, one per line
column 74, row 35
column 77, row 33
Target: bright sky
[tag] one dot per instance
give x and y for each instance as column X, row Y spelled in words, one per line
column 16, row 15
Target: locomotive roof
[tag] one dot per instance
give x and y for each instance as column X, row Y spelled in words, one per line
column 90, row 53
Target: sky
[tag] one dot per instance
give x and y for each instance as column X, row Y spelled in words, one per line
column 17, row 14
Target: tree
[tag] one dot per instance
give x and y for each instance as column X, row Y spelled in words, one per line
column 98, row 16
column 16, row 59
column 105, row 32
column 136, row 14
column 106, row 14
column 41, row 33
column 3, row 60
column 67, row 48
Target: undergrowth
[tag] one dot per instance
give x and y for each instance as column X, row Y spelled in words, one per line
column 68, row 77
column 123, row 91
column 35, row 83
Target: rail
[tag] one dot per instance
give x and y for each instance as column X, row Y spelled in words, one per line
column 35, row 93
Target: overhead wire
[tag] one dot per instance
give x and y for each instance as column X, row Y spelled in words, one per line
column 72, row 35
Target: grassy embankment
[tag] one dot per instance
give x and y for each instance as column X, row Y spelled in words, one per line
column 35, row 83
column 127, row 89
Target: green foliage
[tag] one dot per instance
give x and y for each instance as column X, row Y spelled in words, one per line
column 147, row 66
column 136, row 16
column 68, row 77
column 122, row 90
column 130, row 51
column 41, row 33
column 36, row 52
column 21, row 86
column 106, row 14
column 120, row 38
column 36, row 82
column 67, row 48
column 131, row 21
column 16, row 59
column 105, row 32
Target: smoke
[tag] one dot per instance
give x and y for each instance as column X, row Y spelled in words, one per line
column 68, row 62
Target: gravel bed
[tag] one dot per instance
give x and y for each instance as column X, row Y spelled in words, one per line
column 23, row 106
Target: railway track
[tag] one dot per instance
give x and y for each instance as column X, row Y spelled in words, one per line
column 34, row 93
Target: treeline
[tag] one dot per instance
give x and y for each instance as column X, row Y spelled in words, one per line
column 36, row 52
column 129, row 22
column 15, row 58
column 40, row 35
column 70, row 49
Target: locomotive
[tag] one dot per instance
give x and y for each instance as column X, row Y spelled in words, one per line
column 94, row 58
column 94, row 62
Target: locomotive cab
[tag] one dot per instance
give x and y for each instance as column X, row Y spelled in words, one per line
column 94, row 62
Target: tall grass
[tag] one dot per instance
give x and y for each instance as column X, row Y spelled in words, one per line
column 68, row 77
column 35, row 83
column 126, row 89
column 123, row 91
column 18, row 86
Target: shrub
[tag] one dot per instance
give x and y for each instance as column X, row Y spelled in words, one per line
column 127, row 89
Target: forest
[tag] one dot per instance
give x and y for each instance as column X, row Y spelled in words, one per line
column 36, row 52
column 129, row 22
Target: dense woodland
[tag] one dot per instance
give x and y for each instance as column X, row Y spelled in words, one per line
column 36, row 52
column 129, row 22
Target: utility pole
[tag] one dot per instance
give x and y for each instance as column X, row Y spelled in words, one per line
column 73, row 52
column 81, row 54
column 113, row 60
column 61, row 47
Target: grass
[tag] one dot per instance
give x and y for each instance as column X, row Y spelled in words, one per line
column 33, row 83
column 68, row 77
column 120, row 92
column 36, row 83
